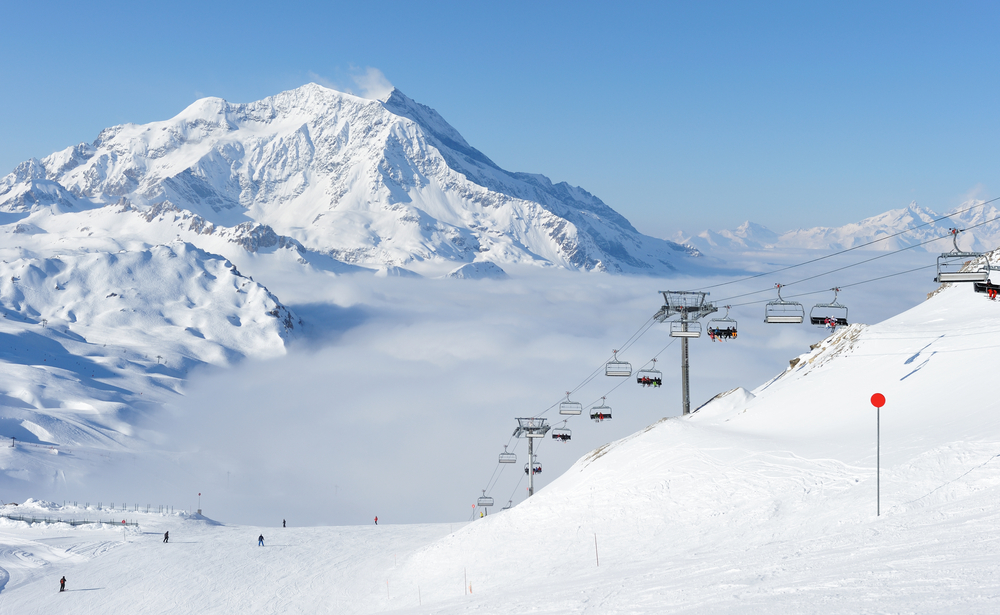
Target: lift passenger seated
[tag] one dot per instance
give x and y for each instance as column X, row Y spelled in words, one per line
column 562, row 434
column 829, row 315
column 649, row 377
column 987, row 288
column 600, row 412
column 722, row 328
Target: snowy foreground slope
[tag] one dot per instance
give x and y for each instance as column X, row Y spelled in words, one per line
column 761, row 502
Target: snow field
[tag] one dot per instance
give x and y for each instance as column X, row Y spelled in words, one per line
column 761, row 502
column 206, row 567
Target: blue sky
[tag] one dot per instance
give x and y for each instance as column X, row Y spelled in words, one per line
column 682, row 116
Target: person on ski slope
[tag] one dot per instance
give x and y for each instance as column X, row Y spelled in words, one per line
column 260, row 540
column 62, row 584
column 166, row 536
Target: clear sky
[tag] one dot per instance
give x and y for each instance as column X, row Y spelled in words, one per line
column 680, row 115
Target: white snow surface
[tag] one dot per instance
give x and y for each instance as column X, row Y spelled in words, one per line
column 762, row 501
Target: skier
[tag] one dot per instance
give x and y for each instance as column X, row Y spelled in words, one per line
column 283, row 523
column 260, row 540
column 166, row 536
column 62, row 584
column 376, row 519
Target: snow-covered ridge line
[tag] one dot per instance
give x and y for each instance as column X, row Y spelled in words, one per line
column 982, row 220
column 374, row 183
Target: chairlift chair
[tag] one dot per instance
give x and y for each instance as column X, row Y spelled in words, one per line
column 509, row 504
column 649, row 377
column 536, row 468
column 685, row 328
column 987, row 288
column 833, row 311
column 951, row 265
column 570, row 407
column 781, row 311
column 722, row 328
column 617, row 368
column 562, row 434
column 484, row 500
column 600, row 412
column 506, row 457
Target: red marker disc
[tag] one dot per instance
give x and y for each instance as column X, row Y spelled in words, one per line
column 878, row 400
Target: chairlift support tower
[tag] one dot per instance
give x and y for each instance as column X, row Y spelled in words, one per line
column 531, row 428
column 689, row 306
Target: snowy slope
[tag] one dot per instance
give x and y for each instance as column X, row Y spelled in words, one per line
column 94, row 341
column 363, row 181
column 750, row 236
column 761, row 501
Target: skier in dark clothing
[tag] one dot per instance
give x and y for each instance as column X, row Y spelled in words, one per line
column 62, row 584
column 283, row 523
column 260, row 540
column 166, row 536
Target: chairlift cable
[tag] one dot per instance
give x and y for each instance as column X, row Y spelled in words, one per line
column 864, row 245
column 612, row 389
column 842, row 286
column 489, row 486
column 757, row 292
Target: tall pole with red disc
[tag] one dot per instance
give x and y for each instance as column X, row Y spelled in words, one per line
column 878, row 400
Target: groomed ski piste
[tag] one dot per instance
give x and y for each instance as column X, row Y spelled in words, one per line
column 762, row 501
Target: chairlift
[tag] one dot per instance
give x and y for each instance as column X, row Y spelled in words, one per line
column 509, row 504
column 987, row 288
column 484, row 500
column 685, row 328
column 649, row 377
column 951, row 265
column 781, row 311
column 570, row 407
column 617, row 368
column 506, row 457
column 600, row 412
column 829, row 315
column 562, row 433
column 536, row 467
column 722, row 328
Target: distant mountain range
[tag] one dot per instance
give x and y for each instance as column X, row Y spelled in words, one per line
column 374, row 183
column 983, row 237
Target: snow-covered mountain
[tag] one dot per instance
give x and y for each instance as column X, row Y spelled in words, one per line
column 368, row 182
column 750, row 236
column 93, row 342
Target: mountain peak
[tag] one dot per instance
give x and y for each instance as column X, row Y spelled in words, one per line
column 368, row 182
